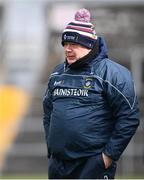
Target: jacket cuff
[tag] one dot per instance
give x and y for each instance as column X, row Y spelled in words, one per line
column 107, row 153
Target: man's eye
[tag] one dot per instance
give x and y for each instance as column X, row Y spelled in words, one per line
column 74, row 45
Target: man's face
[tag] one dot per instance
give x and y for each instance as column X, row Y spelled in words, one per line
column 74, row 52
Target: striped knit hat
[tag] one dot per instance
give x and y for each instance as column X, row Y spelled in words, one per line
column 81, row 30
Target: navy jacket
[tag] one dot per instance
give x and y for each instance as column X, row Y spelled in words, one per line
column 90, row 108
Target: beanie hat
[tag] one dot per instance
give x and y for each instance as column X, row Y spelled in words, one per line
column 81, row 30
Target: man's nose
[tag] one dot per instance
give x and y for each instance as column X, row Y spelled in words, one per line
column 68, row 48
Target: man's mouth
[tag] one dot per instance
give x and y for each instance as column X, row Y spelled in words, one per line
column 71, row 57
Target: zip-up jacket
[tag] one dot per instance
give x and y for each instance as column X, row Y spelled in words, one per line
column 90, row 107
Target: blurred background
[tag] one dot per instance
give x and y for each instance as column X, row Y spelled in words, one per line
column 30, row 47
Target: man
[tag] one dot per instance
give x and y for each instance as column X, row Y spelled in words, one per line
column 90, row 107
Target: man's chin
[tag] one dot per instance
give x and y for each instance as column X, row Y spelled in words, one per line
column 71, row 61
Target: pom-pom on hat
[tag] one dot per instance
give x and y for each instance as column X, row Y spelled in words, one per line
column 81, row 30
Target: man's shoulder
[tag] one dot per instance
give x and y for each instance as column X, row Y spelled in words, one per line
column 117, row 70
column 112, row 71
column 58, row 69
column 114, row 66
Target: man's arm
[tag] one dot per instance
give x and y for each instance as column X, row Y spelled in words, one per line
column 47, row 108
column 123, row 102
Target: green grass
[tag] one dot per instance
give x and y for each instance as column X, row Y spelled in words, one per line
column 24, row 177
column 45, row 177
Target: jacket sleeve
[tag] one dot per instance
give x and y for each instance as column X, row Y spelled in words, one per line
column 47, row 109
column 123, row 101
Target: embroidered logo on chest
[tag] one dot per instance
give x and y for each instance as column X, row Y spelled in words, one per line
column 88, row 83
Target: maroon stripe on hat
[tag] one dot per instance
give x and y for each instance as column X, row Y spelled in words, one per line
column 83, row 25
column 80, row 29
